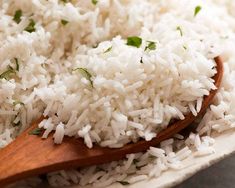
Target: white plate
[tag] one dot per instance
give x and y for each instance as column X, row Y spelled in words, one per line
column 224, row 146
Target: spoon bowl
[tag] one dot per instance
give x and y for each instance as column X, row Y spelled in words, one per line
column 29, row 155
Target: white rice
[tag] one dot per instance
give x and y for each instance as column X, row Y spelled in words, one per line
column 133, row 93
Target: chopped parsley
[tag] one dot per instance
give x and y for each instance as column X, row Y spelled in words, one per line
column 17, row 67
column 8, row 73
column 17, row 16
column 84, row 72
column 31, row 26
column 10, row 70
column 152, row 157
column 64, row 22
column 36, row 131
column 124, row 182
column 185, row 47
column 108, row 50
column 180, row 30
column 134, row 41
column 197, row 10
column 94, row 2
column 151, row 46
column 17, row 102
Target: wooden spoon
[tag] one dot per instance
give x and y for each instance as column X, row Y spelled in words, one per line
column 29, row 155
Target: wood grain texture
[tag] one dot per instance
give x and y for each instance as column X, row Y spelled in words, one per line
column 29, row 155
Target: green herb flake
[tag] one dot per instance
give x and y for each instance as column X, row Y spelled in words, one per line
column 31, row 26
column 94, row 2
column 65, row 1
column 151, row 46
column 17, row 102
column 8, row 73
column 36, row 131
column 17, row 64
column 84, row 72
column 185, row 47
column 180, row 30
column 17, row 16
column 64, row 22
column 197, row 10
column 152, row 157
column 10, row 70
column 124, row 182
column 108, row 50
column 134, row 41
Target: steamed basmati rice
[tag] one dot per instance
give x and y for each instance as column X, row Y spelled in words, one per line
column 77, row 69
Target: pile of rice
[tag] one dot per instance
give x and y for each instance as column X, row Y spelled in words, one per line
column 71, row 61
